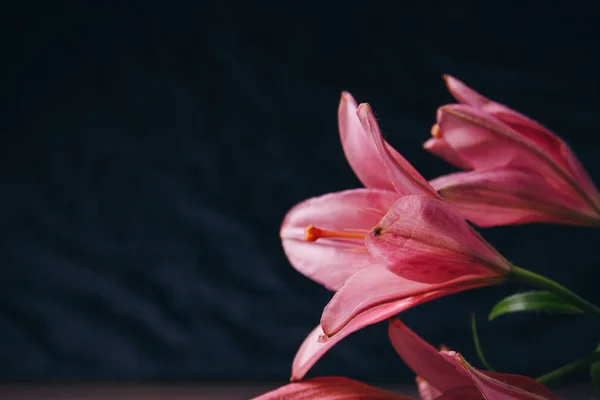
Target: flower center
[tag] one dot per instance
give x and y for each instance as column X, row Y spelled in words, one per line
column 313, row 234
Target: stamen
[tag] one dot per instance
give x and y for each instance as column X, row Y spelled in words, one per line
column 313, row 234
column 436, row 132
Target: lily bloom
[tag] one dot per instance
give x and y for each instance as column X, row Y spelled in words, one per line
column 517, row 170
column 445, row 374
column 384, row 248
column 442, row 375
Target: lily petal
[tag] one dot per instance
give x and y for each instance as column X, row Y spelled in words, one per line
column 450, row 374
column 330, row 388
column 509, row 196
column 425, row 360
column 465, row 94
column 428, row 240
column 331, row 262
column 473, row 134
column 547, row 141
column 461, row 394
column 404, row 177
column 441, row 148
column 428, row 392
column 359, row 147
column 500, row 386
column 486, row 142
column 524, row 383
column 522, row 125
column 375, row 286
column 317, row 343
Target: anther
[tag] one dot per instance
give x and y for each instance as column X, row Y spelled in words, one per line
column 436, row 132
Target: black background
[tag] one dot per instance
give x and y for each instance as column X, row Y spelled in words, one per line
column 150, row 151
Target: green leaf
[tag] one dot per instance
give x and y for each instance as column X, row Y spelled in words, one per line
column 478, row 348
column 532, row 301
column 595, row 372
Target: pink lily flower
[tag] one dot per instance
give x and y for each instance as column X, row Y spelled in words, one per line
column 443, row 375
column 384, row 248
column 517, row 170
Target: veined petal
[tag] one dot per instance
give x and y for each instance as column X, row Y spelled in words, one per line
column 465, row 94
column 509, row 196
column 317, row 343
column 426, row 390
column 425, row 360
column 500, row 386
column 486, row 142
column 522, row 382
column 310, row 351
column 427, row 240
column 442, row 149
column 522, row 125
column 547, row 142
column 375, row 286
column 330, row 388
column 359, row 147
column 331, row 262
column 466, row 393
column 449, row 373
column 405, row 179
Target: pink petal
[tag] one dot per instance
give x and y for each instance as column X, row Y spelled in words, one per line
column 427, row 240
column 405, row 179
column 486, row 142
column 466, row 393
column 359, row 147
column 329, row 388
column 442, row 149
column 546, row 141
column 331, row 262
column 522, row 382
column 508, row 196
column 426, row 391
column 522, row 125
column 449, row 373
column 464, row 94
column 492, row 388
column 425, row 360
column 375, row 286
column 317, row 344
column 310, row 351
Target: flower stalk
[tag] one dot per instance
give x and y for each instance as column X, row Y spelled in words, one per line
column 571, row 368
column 532, row 279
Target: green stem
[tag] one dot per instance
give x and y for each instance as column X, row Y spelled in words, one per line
column 532, row 279
column 571, row 368
column 477, row 343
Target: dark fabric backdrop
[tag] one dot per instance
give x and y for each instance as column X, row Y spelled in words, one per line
column 150, row 151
